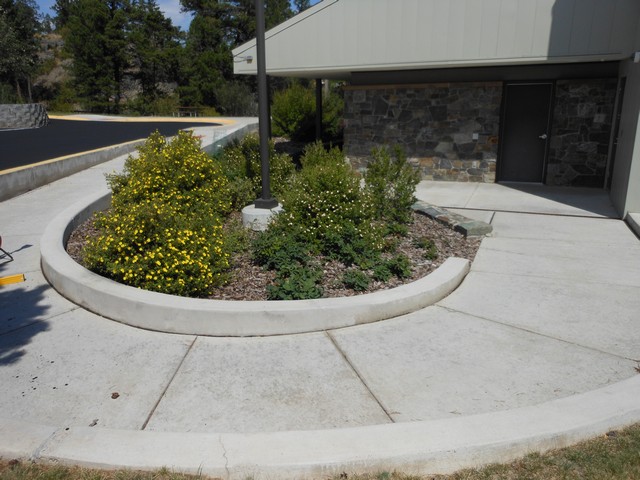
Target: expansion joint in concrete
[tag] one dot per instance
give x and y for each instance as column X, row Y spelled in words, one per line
column 166, row 387
column 540, row 334
column 35, row 456
column 360, row 377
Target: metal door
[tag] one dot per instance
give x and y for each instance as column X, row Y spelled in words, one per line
column 526, row 118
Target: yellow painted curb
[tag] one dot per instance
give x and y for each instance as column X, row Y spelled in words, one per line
column 12, row 279
column 80, row 118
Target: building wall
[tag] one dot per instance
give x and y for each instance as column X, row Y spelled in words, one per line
column 436, row 125
column 625, row 186
column 581, row 131
column 450, row 131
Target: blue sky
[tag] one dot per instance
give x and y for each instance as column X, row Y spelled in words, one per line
column 171, row 8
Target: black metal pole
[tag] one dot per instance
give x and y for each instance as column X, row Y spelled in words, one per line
column 266, row 201
column 318, row 109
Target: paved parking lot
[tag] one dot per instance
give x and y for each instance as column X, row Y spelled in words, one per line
column 65, row 137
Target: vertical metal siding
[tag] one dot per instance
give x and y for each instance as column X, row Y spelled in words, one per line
column 601, row 27
column 581, row 28
column 373, row 33
column 489, row 39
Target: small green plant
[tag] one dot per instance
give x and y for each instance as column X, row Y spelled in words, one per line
column 275, row 249
column 296, row 282
column 429, row 247
column 400, row 266
column 356, row 280
column 381, row 272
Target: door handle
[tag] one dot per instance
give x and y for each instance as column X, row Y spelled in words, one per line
column 543, row 136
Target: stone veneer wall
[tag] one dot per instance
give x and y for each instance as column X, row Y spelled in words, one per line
column 434, row 124
column 581, row 132
column 19, row 116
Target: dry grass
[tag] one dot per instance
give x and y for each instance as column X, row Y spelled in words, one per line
column 615, row 456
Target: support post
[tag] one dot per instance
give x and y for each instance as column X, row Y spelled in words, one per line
column 266, row 201
column 319, row 109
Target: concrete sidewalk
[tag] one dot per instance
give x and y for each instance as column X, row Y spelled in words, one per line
column 536, row 349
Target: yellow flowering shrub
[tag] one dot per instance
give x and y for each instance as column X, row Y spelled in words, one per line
column 164, row 230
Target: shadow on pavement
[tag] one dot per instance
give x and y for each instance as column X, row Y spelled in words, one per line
column 593, row 200
column 21, row 311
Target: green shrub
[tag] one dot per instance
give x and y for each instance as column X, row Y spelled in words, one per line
column 164, row 231
column 381, row 272
column 332, row 212
column 392, row 183
column 400, row 266
column 240, row 161
column 276, row 249
column 356, row 280
column 237, row 99
column 430, row 249
column 293, row 113
column 296, row 282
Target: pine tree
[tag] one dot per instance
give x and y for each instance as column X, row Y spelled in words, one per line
column 217, row 27
column 301, row 5
column 154, row 48
column 97, row 41
column 18, row 44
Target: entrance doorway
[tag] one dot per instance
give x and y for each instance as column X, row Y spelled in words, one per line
column 525, row 128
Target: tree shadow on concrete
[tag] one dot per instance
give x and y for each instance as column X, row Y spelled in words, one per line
column 21, row 318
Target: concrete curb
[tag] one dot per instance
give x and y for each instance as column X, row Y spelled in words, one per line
column 633, row 220
column 23, row 179
column 429, row 447
column 168, row 313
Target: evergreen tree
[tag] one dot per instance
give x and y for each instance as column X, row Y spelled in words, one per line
column 205, row 63
column 301, row 5
column 18, row 45
column 97, row 41
column 155, row 48
column 217, row 27
column 63, row 12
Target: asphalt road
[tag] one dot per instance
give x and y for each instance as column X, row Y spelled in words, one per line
column 65, row 137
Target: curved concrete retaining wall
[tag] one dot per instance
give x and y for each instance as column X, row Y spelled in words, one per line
column 168, row 313
column 31, row 115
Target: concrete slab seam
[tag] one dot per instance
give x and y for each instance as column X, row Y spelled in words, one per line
column 359, row 375
column 534, row 332
column 166, row 387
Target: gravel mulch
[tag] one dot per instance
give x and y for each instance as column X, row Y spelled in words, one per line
column 249, row 281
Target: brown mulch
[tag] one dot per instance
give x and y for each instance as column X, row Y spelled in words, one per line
column 249, row 281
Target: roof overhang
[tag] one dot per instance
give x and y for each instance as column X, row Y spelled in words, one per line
column 336, row 38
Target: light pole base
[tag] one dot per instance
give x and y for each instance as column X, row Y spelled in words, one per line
column 266, row 203
column 258, row 218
